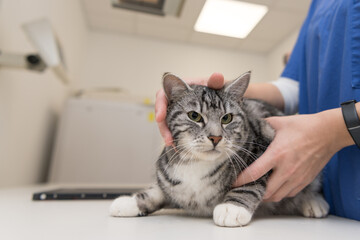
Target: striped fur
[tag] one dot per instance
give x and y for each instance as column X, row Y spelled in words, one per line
column 197, row 174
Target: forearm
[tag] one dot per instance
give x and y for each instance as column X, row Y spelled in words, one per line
column 266, row 92
column 332, row 119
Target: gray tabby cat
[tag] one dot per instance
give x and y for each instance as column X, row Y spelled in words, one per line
column 217, row 134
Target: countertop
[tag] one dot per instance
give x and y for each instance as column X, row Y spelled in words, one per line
column 22, row 218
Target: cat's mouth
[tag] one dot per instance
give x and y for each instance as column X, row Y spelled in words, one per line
column 207, row 151
column 212, row 151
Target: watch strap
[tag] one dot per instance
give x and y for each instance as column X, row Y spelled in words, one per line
column 351, row 119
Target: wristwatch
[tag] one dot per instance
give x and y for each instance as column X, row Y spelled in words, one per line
column 351, row 119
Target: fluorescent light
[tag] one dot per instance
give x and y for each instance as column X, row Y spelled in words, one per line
column 229, row 18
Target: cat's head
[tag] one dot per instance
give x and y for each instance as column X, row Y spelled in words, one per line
column 206, row 124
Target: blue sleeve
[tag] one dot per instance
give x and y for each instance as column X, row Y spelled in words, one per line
column 295, row 66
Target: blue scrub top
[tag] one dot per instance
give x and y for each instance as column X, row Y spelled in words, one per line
column 326, row 62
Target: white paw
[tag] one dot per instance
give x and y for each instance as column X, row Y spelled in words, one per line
column 125, row 206
column 315, row 208
column 230, row 215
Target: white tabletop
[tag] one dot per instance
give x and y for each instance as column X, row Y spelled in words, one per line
column 22, row 218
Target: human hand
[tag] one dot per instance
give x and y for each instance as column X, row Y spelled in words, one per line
column 216, row 81
column 302, row 146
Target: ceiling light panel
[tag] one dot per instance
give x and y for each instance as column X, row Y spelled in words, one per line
column 229, row 18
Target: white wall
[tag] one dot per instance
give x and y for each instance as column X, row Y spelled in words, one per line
column 137, row 64
column 30, row 102
column 274, row 59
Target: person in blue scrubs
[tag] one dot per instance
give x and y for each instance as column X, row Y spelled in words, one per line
column 323, row 71
column 326, row 62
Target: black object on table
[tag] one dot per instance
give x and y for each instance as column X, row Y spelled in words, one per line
column 83, row 193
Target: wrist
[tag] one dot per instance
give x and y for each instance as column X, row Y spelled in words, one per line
column 339, row 135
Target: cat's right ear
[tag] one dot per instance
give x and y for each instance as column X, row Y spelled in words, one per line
column 174, row 86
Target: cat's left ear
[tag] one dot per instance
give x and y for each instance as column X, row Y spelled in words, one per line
column 238, row 86
column 174, row 86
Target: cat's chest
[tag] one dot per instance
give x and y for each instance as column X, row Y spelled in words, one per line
column 192, row 176
column 200, row 184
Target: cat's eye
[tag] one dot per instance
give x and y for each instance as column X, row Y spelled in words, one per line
column 195, row 116
column 227, row 118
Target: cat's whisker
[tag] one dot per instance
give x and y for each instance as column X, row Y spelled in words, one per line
column 245, row 165
column 246, row 152
column 254, row 157
column 250, row 154
column 240, row 159
column 253, row 143
column 182, row 160
column 174, row 156
column 172, row 149
column 232, row 164
column 190, row 159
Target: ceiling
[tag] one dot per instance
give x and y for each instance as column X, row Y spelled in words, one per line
column 283, row 18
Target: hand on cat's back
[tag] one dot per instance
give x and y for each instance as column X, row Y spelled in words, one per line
column 216, row 81
column 302, row 146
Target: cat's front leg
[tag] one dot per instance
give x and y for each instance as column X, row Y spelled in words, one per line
column 139, row 204
column 239, row 205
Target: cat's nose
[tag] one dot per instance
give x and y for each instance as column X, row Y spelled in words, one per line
column 215, row 139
